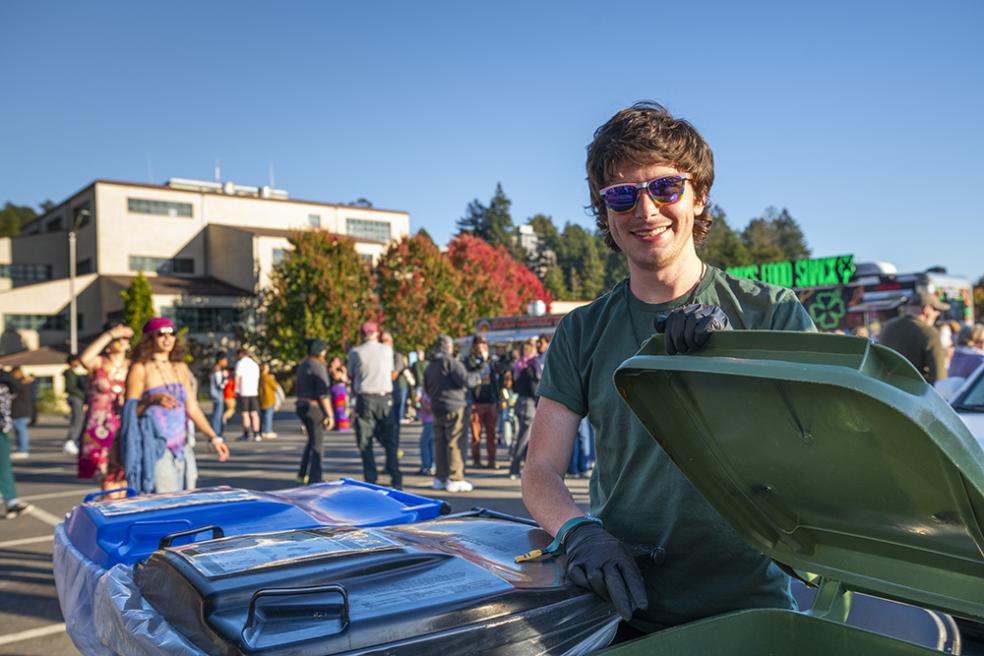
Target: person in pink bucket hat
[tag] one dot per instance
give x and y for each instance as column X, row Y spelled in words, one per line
column 158, row 456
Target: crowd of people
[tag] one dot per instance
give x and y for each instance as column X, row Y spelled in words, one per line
column 938, row 347
column 457, row 396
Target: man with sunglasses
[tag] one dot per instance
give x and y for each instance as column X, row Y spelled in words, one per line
column 649, row 176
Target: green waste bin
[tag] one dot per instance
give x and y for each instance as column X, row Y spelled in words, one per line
column 831, row 455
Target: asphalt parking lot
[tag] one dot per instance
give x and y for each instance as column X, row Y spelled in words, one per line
column 31, row 623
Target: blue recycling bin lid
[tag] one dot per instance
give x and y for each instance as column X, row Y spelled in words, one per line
column 127, row 531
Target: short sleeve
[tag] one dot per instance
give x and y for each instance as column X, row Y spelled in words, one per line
column 789, row 314
column 562, row 377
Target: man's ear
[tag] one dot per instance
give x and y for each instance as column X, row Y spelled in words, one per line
column 700, row 202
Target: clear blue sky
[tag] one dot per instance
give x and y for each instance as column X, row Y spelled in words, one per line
column 864, row 119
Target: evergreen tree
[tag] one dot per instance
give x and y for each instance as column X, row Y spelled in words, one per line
column 760, row 241
column 723, row 247
column 616, row 266
column 774, row 237
column 553, row 280
column 548, row 243
column 138, row 304
column 498, row 221
column 474, row 222
column 581, row 261
column 789, row 235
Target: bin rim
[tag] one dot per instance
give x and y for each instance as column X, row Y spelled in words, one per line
column 787, row 435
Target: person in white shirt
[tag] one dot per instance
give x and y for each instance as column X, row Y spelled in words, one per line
column 248, row 391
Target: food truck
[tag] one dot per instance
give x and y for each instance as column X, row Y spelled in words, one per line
column 843, row 295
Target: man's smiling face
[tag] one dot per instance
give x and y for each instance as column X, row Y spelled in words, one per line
column 652, row 236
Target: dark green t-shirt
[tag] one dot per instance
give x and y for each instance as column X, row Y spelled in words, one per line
column 636, row 490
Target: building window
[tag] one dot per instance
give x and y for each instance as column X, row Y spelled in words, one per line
column 81, row 215
column 158, row 207
column 54, row 225
column 314, row 221
column 176, row 265
column 26, row 272
column 83, row 267
column 36, row 322
column 366, row 229
column 279, row 254
column 205, row 319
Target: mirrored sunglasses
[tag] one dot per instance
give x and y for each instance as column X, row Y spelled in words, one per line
column 663, row 191
column 165, row 331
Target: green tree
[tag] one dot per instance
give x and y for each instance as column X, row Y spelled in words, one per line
column 723, row 247
column 13, row 217
column 138, row 304
column 499, row 221
column 616, row 266
column 474, row 222
column 420, row 293
column 547, row 244
column 553, row 280
column 492, row 223
column 322, row 288
column 581, row 262
column 773, row 237
column 979, row 299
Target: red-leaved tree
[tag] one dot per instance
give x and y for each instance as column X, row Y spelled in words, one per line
column 493, row 283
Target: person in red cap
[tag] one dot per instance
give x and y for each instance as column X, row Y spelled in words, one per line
column 370, row 368
column 160, row 383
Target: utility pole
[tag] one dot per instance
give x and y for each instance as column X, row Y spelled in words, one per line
column 73, row 319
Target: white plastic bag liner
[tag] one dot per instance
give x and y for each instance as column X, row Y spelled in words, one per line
column 76, row 577
column 129, row 625
column 596, row 640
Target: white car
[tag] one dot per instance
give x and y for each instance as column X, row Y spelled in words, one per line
column 967, row 398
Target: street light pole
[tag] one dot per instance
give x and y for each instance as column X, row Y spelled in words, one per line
column 73, row 320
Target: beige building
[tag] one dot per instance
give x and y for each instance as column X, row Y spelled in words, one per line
column 206, row 248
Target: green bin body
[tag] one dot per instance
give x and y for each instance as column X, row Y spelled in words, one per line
column 831, row 455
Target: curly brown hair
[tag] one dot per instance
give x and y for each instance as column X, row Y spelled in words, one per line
column 144, row 349
column 646, row 133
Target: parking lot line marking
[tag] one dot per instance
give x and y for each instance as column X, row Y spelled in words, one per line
column 44, row 516
column 81, row 492
column 24, row 471
column 21, row 541
column 32, row 633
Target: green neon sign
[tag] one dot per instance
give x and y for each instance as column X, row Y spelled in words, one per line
column 815, row 272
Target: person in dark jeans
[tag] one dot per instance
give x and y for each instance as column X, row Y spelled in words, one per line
column 526, row 382
column 314, row 410
column 22, row 409
column 370, row 368
column 75, row 393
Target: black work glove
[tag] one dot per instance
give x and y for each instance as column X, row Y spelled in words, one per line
column 687, row 327
column 596, row 560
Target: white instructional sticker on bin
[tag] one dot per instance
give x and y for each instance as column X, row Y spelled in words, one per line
column 154, row 502
column 275, row 549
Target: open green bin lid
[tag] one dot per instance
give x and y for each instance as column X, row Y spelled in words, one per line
column 827, row 453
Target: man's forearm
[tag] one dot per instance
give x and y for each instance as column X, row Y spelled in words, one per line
column 547, row 497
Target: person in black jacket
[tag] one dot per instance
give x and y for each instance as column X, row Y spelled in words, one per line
column 526, row 382
column 446, row 380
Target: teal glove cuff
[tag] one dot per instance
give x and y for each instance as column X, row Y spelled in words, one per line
column 557, row 546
